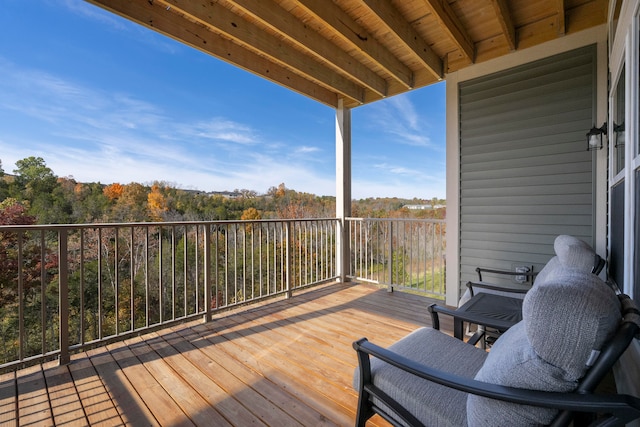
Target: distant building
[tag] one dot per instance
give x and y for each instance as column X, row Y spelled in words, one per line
column 423, row 207
column 226, row 194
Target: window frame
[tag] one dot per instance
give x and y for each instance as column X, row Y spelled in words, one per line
column 624, row 55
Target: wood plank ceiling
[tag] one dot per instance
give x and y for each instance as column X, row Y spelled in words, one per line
column 359, row 50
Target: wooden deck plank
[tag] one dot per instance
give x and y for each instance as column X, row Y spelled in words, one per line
column 311, row 364
column 162, row 366
column 98, row 406
column 8, row 399
column 242, row 386
column 164, row 409
column 312, row 376
column 300, row 402
column 199, row 371
column 253, row 378
column 65, row 402
column 324, row 370
column 130, row 406
column 33, row 404
column 256, row 354
column 284, row 362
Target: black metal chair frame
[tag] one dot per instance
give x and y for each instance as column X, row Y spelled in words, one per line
column 490, row 317
column 614, row 409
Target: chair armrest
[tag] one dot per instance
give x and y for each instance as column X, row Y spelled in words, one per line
column 621, row 408
column 491, row 286
column 498, row 324
column 480, row 270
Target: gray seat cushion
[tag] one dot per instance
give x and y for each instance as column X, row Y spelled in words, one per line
column 432, row 403
column 566, row 320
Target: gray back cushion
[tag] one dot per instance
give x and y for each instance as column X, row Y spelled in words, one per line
column 571, row 252
column 574, row 253
column 566, row 317
column 513, row 362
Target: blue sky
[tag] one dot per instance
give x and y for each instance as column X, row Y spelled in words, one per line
column 103, row 99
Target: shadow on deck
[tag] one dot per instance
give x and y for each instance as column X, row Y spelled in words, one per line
column 285, row 362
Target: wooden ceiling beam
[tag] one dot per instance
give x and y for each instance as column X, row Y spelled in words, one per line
column 220, row 19
column 454, row 28
column 506, row 22
column 562, row 19
column 399, row 26
column 353, row 33
column 156, row 17
column 305, row 38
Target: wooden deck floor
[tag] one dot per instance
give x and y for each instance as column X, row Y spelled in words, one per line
column 288, row 362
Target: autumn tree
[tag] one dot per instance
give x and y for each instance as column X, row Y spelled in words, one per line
column 113, row 191
column 89, row 204
column 14, row 212
column 24, row 258
column 251, row 214
column 156, row 203
column 132, row 204
column 292, row 204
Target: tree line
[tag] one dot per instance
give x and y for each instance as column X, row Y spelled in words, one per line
column 49, row 199
column 122, row 279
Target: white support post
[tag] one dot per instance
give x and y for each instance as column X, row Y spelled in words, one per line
column 343, row 189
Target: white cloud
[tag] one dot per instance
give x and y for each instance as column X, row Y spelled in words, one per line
column 406, row 112
column 114, row 22
column 307, row 149
column 84, row 9
column 219, row 128
column 398, row 118
column 96, row 135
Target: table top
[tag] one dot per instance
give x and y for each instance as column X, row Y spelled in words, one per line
column 505, row 310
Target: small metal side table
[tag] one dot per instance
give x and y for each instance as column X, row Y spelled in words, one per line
column 483, row 309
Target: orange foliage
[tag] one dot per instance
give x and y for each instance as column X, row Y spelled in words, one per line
column 157, row 203
column 250, row 214
column 113, row 191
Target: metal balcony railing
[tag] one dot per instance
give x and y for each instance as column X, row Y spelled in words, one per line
column 400, row 253
column 64, row 288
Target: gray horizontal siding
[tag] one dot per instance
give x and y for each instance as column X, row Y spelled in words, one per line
column 525, row 175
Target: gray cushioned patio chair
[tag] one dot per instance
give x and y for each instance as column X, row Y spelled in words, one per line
column 541, row 371
column 495, row 309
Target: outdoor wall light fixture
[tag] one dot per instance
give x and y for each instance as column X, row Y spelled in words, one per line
column 594, row 137
column 618, row 130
